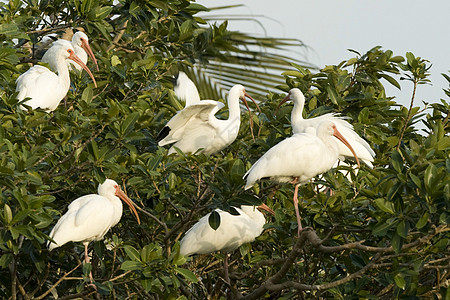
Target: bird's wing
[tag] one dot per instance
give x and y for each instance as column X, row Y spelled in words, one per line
column 186, row 90
column 28, row 81
column 361, row 147
column 292, row 157
column 232, row 232
column 87, row 218
column 175, row 128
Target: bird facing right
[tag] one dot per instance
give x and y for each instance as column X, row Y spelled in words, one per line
column 300, row 125
column 233, row 231
column 45, row 88
column 299, row 158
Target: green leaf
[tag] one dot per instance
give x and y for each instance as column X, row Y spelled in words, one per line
column 416, row 180
column 87, row 267
column 7, row 213
column 172, row 181
column 189, row 275
column 397, row 243
column 430, row 176
column 422, row 221
column 410, row 58
column 131, row 265
column 132, row 252
column 385, row 206
column 5, row 260
column 391, row 80
column 403, row 228
column 214, row 220
column 397, row 161
column 87, row 95
column 333, row 95
column 381, row 229
column 129, row 122
column 400, row 281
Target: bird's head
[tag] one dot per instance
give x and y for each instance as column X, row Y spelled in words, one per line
column 69, row 53
column 295, row 95
column 328, row 128
column 110, row 188
column 82, row 40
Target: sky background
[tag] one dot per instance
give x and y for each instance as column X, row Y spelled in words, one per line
column 330, row 27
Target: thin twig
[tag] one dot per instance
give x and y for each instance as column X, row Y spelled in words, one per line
column 57, row 282
column 409, row 116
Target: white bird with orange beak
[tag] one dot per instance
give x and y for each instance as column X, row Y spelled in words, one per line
column 300, row 125
column 299, row 158
column 90, row 217
column 45, row 88
column 80, row 43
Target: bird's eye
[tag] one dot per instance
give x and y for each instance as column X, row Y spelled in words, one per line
column 69, row 51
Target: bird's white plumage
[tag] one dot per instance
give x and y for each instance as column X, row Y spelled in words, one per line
column 89, row 217
column 300, row 125
column 45, row 88
column 302, row 156
column 186, row 90
column 196, row 127
column 234, row 230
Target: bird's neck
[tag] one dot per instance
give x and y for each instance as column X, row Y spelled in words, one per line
column 297, row 112
column 233, row 107
column 118, row 209
column 63, row 73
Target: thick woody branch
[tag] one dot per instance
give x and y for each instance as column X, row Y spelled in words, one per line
column 308, row 235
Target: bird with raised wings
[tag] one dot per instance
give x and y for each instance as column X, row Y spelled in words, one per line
column 196, row 128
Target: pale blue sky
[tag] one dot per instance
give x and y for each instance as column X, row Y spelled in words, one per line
column 330, row 27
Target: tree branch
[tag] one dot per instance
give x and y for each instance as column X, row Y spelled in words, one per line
column 57, row 282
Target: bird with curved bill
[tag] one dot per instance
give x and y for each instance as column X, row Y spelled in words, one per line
column 89, row 218
column 196, row 128
column 80, row 43
column 299, row 158
column 301, row 125
column 45, row 89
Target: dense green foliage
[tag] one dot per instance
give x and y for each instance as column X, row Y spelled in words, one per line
column 385, row 234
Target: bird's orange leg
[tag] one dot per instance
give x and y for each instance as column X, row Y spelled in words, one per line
column 88, row 260
column 296, row 208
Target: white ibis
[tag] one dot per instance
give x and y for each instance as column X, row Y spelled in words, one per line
column 185, row 89
column 89, row 217
column 233, row 231
column 196, row 127
column 299, row 158
column 45, row 88
column 80, row 43
column 299, row 125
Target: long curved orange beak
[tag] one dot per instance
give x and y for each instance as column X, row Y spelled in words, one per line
column 87, row 48
column 76, row 59
column 340, row 137
column 124, row 197
column 266, row 208
column 248, row 96
column 285, row 99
